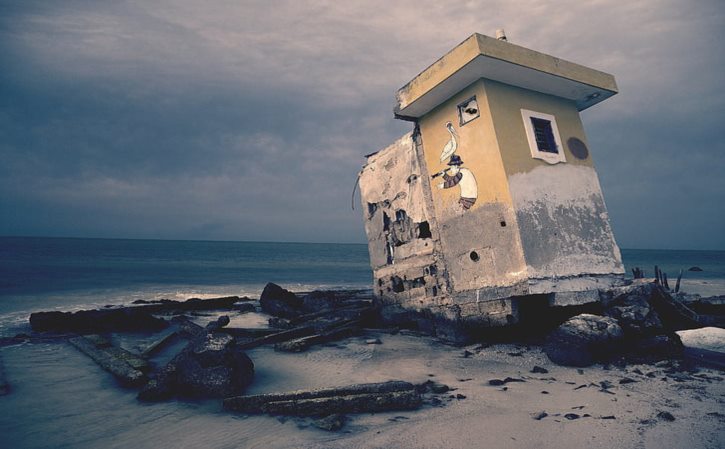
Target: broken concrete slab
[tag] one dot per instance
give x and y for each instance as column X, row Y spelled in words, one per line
column 705, row 345
column 357, row 403
column 120, row 319
column 304, row 343
column 97, row 321
column 127, row 368
column 255, row 403
column 157, row 345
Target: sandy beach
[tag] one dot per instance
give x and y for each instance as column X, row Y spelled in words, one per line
column 60, row 398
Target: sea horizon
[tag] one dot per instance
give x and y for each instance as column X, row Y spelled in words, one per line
column 226, row 240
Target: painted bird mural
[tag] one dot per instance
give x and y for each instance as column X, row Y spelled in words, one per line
column 452, row 145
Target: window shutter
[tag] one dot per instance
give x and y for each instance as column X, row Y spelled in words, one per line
column 544, row 135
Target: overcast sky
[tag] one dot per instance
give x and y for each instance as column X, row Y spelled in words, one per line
column 248, row 120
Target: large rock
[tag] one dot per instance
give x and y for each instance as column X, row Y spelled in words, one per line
column 631, row 307
column 583, row 340
column 211, row 366
column 277, row 301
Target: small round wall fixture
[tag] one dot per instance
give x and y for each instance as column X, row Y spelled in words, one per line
column 578, row 148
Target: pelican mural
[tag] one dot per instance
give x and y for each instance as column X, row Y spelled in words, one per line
column 456, row 174
column 452, row 145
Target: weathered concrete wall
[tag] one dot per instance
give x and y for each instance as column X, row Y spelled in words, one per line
column 480, row 243
column 564, row 227
column 399, row 224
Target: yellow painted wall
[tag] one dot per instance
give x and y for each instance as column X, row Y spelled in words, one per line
column 506, row 102
column 477, row 146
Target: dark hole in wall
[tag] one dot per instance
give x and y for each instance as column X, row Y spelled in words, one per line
column 417, row 282
column 398, row 285
column 503, row 224
column 474, row 256
column 386, row 222
column 424, row 230
column 433, row 269
column 400, row 215
column 372, row 208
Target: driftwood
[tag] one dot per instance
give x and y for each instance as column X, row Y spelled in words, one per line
column 126, row 367
column 262, row 402
column 252, row 333
column 4, row 385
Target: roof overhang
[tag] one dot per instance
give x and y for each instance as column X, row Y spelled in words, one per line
column 481, row 56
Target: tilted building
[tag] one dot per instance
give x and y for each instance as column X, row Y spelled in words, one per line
column 492, row 202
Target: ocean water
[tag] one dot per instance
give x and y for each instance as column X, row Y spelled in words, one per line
column 71, row 273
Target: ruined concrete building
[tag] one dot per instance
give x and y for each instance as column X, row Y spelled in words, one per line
column 492, row 202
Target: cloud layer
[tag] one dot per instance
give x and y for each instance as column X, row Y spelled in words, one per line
column 248, row 120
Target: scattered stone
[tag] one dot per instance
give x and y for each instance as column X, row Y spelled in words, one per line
column 539, row 370
column 467, row 354
column 331, row 423
column 540, row 415
column 608, row 417
column 544, row 392
column 626, row 380
column 571, row 416
column 465, row 380
column 665, row 416
column 515, row 354
column 496, row 382
column 638, row 371
column 583, row 339
column 373, row 341
column 460, row 396
column 580, row 371
column 695, row 268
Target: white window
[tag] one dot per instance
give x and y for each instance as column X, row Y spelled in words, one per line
column 543, row 136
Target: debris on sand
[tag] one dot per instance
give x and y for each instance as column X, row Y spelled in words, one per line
column 358, row 398
column 129, row 369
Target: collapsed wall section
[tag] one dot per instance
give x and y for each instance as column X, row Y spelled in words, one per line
column 400, row 227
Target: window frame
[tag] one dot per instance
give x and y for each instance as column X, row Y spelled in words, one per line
column 463, row 120
column 549, row 157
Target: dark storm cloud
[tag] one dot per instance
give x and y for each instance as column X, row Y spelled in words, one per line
column 248, row 120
